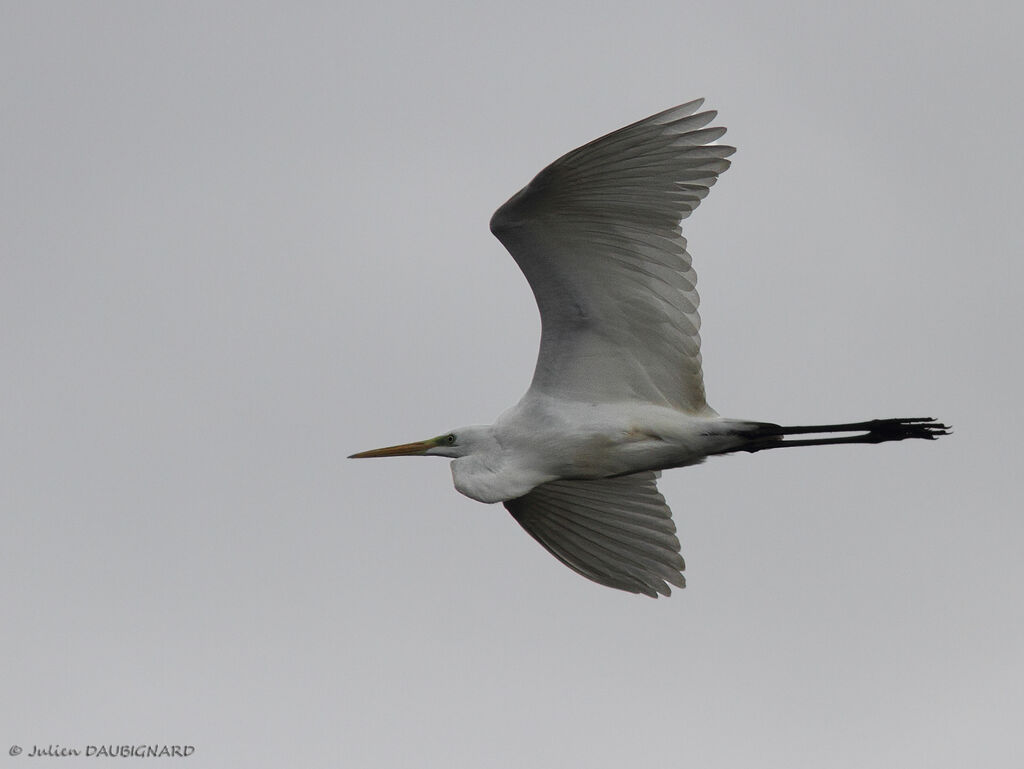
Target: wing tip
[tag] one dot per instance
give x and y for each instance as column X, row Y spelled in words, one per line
column 681, row 128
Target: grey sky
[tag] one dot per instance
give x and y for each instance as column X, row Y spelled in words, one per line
column 242, row 242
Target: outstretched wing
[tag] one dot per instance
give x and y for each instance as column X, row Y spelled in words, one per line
column 597, row 235
column 615, row 531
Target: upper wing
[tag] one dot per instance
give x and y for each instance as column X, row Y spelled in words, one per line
column 615, row 531
column 597, row 235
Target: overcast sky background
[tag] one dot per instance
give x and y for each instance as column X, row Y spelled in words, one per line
column 241, row 241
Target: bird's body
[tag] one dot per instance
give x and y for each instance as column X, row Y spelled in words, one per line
column 617, row 394
column 543, row 439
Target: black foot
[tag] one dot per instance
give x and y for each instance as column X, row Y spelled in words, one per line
column 880, row 430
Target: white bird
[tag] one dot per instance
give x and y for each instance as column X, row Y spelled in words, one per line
column 617, row 394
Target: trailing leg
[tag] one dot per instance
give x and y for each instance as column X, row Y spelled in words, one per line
column 771, row 436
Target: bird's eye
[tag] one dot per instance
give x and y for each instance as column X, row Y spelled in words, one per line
column 450, row 438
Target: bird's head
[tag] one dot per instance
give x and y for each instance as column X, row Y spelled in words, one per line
column 457, row 443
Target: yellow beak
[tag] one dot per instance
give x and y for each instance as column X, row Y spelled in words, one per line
column 402, row 450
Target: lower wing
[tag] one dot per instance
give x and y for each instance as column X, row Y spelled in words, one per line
column 615, row 531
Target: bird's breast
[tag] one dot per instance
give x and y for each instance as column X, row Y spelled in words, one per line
column 495, row 478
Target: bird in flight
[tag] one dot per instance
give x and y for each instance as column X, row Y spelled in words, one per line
column 617, row 394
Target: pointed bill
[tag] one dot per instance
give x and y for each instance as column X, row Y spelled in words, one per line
column 402, row 450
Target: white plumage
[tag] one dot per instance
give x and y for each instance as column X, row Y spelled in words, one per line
column 617, row 394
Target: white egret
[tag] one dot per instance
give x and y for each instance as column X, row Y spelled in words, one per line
column 617, row 394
